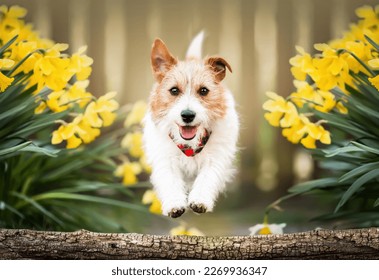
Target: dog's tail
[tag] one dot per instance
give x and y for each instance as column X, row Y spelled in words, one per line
column 195, row 48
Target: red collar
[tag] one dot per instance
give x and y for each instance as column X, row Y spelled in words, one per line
column 191, row 151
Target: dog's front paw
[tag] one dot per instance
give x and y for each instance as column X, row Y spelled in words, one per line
column 200, row 203
column 198, row 208
column 176, row 212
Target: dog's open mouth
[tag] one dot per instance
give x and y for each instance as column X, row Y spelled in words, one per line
column 188, row 132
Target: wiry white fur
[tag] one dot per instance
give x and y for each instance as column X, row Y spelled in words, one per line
column 180, row 180
column 195, row 48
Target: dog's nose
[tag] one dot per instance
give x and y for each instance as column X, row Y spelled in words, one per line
column 187, row 115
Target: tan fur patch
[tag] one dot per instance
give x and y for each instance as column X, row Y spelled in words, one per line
column 214, row 101
column 191, row 73
column 161, row 59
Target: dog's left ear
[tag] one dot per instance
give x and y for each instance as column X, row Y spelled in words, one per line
column 218, row 66
column 161, row 59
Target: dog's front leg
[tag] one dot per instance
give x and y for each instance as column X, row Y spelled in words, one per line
column 170, row 189
column 207, row 186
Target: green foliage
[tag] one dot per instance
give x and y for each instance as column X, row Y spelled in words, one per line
column 351, row 163
column 49, row 187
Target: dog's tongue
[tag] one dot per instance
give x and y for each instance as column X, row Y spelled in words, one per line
column 188, row 132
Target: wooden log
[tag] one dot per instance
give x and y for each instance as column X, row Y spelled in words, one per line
column 317, row 244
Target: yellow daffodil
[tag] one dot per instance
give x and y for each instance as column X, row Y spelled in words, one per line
column 21, row 50
column 341, row 108
column 305, row 93
column 87, row 133
column 145, row 166
column 314, row 132
column 375, row 81
column 369, row 14
column 265, row 228
column 183, row 230
column 150, row 197
column 374, row 63
column 80, row 64
column 92, row 116
column 51, row 70
column 129, row 171
column 306, row 132
column 301, row 64
column 294, row 133
column 13, row 12
column 10, row 17
column 69, row 132
column 55, row 101
column 136, row 114
column 281, row 112
column 360, row 50
column 331, row 69
column 77, row 94
column 105, row 106
column 48, row 67
column 40, row 108
column 133, row 142
column 100, row 113
column 5, row 81
column 5, row 64
column 59, row 101
column 324, row 101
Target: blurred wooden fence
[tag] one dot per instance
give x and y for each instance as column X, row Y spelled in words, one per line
column 257, row 37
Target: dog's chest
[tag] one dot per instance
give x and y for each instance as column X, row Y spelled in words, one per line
column 189, row 167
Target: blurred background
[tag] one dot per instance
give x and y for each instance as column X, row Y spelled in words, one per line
column 257, row 37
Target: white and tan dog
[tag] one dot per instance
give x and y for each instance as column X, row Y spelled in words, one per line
column 191, row 129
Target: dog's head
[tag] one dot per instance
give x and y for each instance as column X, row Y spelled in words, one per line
column 188, row 97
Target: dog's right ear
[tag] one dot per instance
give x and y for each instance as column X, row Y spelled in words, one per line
column 161, row 59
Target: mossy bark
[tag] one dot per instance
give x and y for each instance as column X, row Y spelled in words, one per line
column 318, row 244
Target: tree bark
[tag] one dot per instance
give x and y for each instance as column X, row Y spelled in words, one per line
column 317, row 244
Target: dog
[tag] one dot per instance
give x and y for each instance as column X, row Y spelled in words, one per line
column 190, row 129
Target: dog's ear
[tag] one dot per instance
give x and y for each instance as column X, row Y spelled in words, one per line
column 218, row 66
column 161, row 59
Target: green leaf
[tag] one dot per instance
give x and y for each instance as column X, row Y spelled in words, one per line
column 376, row 203
column 89, row 198
column 38, row 206
column 314, row 184
column 375, row 45
column 342, row 150
column 40, row 122
column 11, row 209
column 14, row 110
column 22, row 61
column 366, row 148
column 14, row 148
column 356, row 186
column 370, row 112
column 340, row 121
column 63, row 170
column 329, row 164
column 358, row 171
column 51, row 152
column 87, row 186
column 361, row 62
column 7, row 44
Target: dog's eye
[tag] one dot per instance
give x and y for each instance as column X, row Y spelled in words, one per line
column 203, row 91
column 174, row 91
